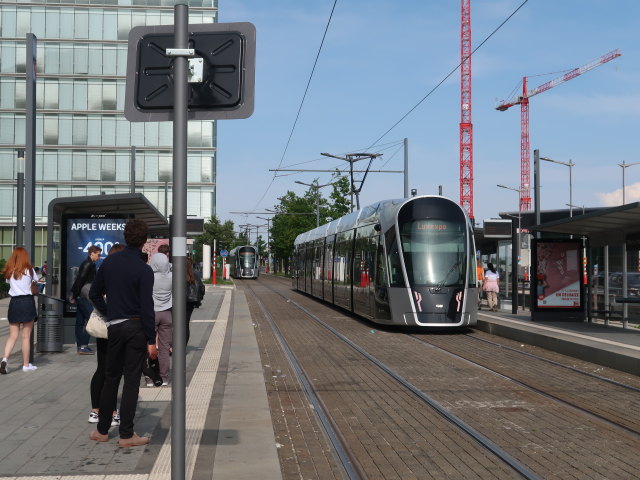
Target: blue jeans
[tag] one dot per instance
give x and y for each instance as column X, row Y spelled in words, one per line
column 82, row 315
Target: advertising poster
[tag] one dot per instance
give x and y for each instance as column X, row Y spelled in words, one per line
column 78, row 235
column 558, row 274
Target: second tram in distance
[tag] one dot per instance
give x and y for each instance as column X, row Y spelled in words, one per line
column 243, row 262
column 396, row 262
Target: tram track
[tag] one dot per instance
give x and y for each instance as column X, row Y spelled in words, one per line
column 506, row 413
column 623, row 426
column 342, row 450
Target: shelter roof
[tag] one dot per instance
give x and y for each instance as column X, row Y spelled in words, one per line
column 135, row 204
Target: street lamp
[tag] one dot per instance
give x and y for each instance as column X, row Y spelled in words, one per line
column 569, row 164
column 317, row 187
column 268, row 244
column 515, row 255
column 624, row 166
column 575, row 206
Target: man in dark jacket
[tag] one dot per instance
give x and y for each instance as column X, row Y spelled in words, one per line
column 127, row 282
column 86, row 274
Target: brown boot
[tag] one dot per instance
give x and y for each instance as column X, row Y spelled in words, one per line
column 134, row 441
column 98, row 437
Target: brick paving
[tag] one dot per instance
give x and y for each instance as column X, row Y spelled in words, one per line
column 393, row 437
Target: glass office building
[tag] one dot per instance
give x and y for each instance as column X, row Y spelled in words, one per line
column 83, row 141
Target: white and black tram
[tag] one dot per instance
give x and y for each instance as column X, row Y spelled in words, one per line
column 243, row 262
column 397, row 262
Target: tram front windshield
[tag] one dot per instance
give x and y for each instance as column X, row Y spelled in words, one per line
column 434, row 252
column 247, row 257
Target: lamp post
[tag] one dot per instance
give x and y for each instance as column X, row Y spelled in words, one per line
column 624, row 166
column 268, row 244
column 317, row 188
column 515, row 255
column 575, row 206
column 569, row 164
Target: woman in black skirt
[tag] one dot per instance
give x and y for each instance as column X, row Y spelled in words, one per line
column 19, row 272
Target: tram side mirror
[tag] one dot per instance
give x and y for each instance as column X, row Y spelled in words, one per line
column 414, row 192
column 377, row 227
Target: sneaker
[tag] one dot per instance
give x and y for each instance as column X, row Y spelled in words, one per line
column 165, row 384
column 115, row 419
column 29, row 368
column 149, row 382
column 85, row 351
column 93, row 417
column 3, row 367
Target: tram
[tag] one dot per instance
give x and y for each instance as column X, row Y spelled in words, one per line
column 243, row 262
column 396, row 262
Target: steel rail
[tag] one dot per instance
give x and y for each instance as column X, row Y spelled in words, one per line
column 531, row 388
column 350, row 467
column 468, row 429
column 557, row 364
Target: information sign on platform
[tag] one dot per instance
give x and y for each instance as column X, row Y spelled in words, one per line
column 226, row 54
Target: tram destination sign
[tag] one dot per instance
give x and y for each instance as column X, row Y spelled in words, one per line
column 222, row 72
column 497, row 228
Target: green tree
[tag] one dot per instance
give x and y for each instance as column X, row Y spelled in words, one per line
column 294, row 216
column 340, row 198
column 214, row 230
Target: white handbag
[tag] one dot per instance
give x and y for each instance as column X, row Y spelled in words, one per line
column 96, row 326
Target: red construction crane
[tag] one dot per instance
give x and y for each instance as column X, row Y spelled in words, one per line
column 523, row 101
column 466, row 127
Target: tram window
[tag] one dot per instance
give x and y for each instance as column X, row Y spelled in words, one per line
column 434, row 252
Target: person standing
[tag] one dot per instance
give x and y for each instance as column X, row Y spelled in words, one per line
column 97, row 381
column 480, row 277
column 127, row 283
column 195, row 294
column 162, row 303
column 86, row 274
column 19, row 272
column 491, row 286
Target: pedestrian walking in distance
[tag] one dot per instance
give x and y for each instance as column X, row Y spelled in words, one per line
column 127, row 282
column 491, row 286
column 20, row 273
column 79, row 296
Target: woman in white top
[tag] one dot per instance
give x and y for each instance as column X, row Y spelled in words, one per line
column 491, row 286
column 22, row 308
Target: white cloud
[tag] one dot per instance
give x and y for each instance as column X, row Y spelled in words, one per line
column 611, row 199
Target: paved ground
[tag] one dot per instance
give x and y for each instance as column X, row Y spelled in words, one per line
column 44, row 413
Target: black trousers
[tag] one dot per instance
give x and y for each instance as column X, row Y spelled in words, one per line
column 126, row 350
column 97, row 381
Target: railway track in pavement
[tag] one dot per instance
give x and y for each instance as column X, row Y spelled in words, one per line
column 387, row 431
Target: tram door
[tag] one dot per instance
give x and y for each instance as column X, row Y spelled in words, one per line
column 363, row 270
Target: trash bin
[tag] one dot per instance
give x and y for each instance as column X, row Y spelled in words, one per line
column 49, row 325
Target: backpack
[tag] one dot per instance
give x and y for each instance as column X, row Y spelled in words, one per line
column 193, row 292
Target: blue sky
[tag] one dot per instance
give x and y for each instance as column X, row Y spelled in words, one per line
column 380, row 58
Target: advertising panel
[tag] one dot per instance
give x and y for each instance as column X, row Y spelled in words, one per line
column 80, row 233
column 557, row 275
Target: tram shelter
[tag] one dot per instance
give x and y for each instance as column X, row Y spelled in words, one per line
column 613, row 259
column 115, row 206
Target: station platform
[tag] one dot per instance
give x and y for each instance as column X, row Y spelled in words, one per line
column 45, row 433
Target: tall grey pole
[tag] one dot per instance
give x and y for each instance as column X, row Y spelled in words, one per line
column 406, row 168
column 132, row 173
column 570, row 189
column 179, row 242
column 536, row 187
column 30, row 144
column 30, row 163
column 166, row 198
column 20, row 199
column 317, row 207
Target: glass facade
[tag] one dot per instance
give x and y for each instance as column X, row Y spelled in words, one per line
column 83, row 141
